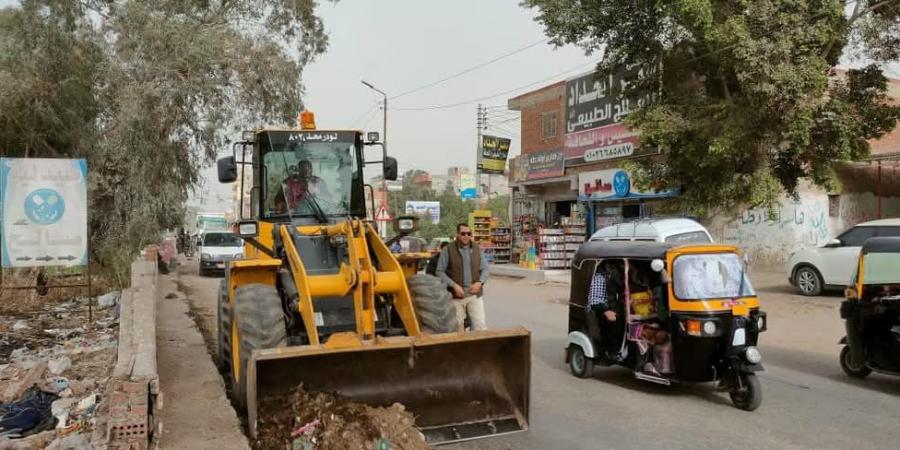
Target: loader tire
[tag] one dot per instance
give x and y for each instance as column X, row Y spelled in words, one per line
column 434, row 305
column 223, row 330
column 259, row 318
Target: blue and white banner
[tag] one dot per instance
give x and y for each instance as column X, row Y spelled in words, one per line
column 615, row 184
column 43, row 206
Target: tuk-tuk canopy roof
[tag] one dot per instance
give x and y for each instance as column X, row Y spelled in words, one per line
column 882, row 245
column 621, row 249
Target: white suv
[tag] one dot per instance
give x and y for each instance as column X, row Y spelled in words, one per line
column 813, row 270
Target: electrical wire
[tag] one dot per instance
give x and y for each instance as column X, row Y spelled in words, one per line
column 453, row 105
column 470, row 69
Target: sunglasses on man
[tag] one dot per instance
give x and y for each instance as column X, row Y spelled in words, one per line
column 465, row 233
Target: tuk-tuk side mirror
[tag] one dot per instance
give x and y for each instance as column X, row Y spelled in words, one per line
column 227, row 169
column 657, row 265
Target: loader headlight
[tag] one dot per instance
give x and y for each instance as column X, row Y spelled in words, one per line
column 248, row 229
column 206, row 256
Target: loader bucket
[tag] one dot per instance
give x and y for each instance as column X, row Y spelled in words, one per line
column 459, row 386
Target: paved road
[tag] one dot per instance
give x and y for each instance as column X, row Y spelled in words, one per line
column 807, row 401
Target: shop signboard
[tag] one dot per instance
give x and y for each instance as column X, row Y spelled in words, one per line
column 43, row 205
column 613, row 184
column 603, row 144
column 518, row 168
column 431, row 210
column 494, row 151
column 595, row 109
column 545, row 165
column 467, row 186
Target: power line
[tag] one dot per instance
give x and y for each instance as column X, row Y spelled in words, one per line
column 364, row 115
column 470, row 69
column 475, row 100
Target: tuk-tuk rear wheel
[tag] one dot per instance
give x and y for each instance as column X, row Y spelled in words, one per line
column 855, row 371
column 580, row 365
column 747, row 396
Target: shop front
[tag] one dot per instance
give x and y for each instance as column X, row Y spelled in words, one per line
column 609, row 197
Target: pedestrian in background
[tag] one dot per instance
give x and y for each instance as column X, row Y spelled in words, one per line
column 464, row 270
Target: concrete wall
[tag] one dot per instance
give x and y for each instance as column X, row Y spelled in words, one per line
column 810, row 221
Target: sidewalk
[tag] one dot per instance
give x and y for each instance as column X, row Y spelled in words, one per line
column 514, row 271
column 196, row 414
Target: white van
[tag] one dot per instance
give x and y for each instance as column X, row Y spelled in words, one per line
column 673, row 231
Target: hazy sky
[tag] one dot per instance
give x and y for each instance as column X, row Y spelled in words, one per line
column 400, row 45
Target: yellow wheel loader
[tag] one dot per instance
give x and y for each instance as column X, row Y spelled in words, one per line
column 319, row 300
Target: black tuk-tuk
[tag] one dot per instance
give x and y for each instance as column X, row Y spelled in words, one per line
column 679, row 314
column 871, row 311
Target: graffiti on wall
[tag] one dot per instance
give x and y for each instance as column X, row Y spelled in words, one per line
column 768, row 236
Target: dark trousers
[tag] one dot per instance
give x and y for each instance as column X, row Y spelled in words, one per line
column 607, row 333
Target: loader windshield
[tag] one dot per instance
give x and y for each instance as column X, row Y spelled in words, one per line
column 310, row 174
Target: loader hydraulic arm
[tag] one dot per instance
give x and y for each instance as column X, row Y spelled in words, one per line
column 360, row 277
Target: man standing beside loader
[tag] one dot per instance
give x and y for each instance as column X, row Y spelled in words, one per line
column 464, row 270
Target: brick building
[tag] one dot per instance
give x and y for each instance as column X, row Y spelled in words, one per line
column 573, row 147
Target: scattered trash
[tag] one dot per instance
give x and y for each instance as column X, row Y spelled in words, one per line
column 316, row 420
column 57, row 366
column 108, row 300
column 58, row 385
column 75, row 441
column 28, row 415
column 88, row 403
column 54, row 357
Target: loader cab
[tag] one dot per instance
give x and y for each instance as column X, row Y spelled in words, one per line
column 303, row 176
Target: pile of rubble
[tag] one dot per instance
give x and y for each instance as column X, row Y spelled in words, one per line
column 324, row 421
column 54, row 366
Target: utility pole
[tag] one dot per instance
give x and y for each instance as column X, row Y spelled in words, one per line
column 481, row 122
column 384, row 146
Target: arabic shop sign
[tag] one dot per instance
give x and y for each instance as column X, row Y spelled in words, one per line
column 43, row 205
column 493, row 154
column 614, row 184
column 545, row 164
column 594, row 101
column 602, row 144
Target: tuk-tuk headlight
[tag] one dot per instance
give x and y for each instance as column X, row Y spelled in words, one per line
column 709, row 327
column 753, row 355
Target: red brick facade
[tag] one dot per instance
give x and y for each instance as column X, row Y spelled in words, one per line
column 533, row 106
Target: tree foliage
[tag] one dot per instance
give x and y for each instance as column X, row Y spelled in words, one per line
column 148, row 92
column 454, row 210
column 746, row 101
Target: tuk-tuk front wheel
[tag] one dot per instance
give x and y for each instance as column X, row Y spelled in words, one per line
column 854, row 370
column 747, row 394
column 580, row 365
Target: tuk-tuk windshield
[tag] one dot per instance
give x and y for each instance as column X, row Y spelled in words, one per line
column 881, row 268
column 710, row 276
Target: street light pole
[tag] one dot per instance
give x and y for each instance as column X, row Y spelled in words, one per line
column 384, row 144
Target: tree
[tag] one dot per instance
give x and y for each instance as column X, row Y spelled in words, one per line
column 744, row 98
column 148, row 92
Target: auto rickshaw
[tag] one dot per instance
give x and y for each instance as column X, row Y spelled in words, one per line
column 871, row 311
column 685, row 314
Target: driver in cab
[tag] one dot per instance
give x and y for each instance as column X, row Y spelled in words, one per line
column 299, row 183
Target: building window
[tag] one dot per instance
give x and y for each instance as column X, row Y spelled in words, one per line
column 548, row 125
column 834, row 205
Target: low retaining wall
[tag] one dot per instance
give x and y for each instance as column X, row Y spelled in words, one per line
column 134, row 395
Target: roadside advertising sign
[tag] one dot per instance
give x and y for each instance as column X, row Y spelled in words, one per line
column 43, row 205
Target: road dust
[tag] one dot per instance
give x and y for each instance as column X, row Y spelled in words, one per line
column 323, row 421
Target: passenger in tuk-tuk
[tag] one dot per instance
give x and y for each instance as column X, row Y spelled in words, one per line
column 605, row 311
